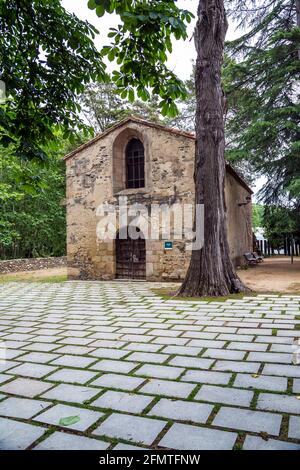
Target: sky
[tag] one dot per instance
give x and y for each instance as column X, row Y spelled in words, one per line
column 180, row 61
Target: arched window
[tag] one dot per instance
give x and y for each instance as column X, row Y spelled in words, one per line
column 135, row 164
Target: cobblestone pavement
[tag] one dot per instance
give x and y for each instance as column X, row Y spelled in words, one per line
column 90, row 365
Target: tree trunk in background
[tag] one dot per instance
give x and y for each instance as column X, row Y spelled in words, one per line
column 211, row 272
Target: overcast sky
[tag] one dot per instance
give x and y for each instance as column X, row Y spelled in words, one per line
column 183, row 51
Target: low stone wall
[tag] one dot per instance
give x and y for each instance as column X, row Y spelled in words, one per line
column 31, row 264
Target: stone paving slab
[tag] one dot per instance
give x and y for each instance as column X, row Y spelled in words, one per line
column 114, row 366
column 248, row 420
column 296, row 386
column 118, row 381
column 282, row 370
column 58, row 415
column 294, row 427
column 229, row 396
column 161, row 372
column 118, row 367
column 284, row 403
column 207, row 377
column 4, row 378
column 71, row 393
column 122, row 401
column 257, row 443
column 21, row 407
column 261, row 382
column 168, row 388
column 72, row 376
column 185, row 437
column 18, row 436
column 122, row 446
column 181, row 410
column 36, row 371
column 74, row 361
column 234, row 366
column 62, row 441
column 131, row 428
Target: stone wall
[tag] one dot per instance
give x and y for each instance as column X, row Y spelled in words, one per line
column 96, row 175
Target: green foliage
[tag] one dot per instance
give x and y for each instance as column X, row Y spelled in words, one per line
column 103, row 107
column 186, row 120
column 263, row 82
column 257, row 216
column 187, row 106
column 280, row 222
column 140, row 46
column 47, row 56
column 32, row 219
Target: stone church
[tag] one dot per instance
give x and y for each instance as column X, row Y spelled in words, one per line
column 150, row 164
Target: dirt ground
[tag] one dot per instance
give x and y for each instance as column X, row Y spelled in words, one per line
column 36, row 275
column 273, row 275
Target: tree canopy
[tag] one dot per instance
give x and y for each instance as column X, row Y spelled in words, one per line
column 32, row 216
column 46, row 57
column 279, row 223
column 102, row 106
column 140, row 45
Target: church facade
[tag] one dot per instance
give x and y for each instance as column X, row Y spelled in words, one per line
column 119, row 180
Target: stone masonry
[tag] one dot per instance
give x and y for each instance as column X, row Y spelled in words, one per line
column 96, row 175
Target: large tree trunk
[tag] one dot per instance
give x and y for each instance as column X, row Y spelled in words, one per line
column 211, row 271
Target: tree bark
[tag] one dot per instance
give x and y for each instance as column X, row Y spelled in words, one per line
column 211, row 272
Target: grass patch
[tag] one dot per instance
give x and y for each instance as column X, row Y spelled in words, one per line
column 32, row 278
column 166, row 294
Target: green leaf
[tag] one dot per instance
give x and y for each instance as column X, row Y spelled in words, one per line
column 69, row 420
column 131, row 95
column 91, row 4
column 111, row 55
column 100, row 10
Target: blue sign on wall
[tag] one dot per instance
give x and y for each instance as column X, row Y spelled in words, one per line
column 168, row 245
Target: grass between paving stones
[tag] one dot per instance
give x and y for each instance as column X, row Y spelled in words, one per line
column 289, row 386
column 166, row 294
column 43, row 437
column 254, row 400
column 155, row 399
column 162, row 433
column 284, row 428
column 213, row 414
column 240, row 440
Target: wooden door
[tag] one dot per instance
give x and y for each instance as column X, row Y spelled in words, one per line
column 131, row 258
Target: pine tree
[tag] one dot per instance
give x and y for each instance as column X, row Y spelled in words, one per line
column 264, row 79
